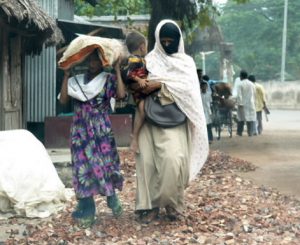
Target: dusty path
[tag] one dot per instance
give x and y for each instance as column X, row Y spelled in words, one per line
column 221, row 207
column 276, row 152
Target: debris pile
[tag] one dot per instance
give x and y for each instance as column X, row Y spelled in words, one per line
column 221, row 208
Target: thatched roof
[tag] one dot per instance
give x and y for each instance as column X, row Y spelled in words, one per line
column 27, row 18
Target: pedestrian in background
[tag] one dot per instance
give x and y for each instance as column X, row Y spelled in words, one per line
column 246, row 104
column 260, row 104
column 206, row 102
column 236, row 84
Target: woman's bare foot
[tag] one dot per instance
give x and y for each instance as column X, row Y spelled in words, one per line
column 134, row 145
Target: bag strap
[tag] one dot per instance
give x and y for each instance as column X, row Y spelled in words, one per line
column 76, row 80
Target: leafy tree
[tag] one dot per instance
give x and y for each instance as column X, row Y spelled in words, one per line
column 83, row 8
column 255, row 29
column 112, row 7
column 189, row 13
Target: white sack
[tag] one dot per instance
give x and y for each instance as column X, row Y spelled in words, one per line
column 29, row 183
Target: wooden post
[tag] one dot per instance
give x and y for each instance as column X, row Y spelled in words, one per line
column 2, row 40
column 16, row 82
column 5, row 79
column 11, row 83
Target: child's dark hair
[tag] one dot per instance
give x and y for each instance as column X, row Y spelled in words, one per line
column 133, row 40
column 205, row 78
column 252, row 78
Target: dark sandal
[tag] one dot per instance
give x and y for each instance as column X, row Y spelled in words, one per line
column 172, row 214
column 114, row 203
column 148, row 216
column 85, row 212
column 86, row 222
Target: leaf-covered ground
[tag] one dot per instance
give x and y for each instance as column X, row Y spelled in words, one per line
column 221, row 208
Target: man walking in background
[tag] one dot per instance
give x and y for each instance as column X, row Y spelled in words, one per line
column 260, row 104
column 246, row 104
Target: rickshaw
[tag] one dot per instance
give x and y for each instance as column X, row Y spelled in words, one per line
column 222, row 109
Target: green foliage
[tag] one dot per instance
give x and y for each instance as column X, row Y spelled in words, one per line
column 190, row 14
column 241, row 1
column 83, row 8
column 112, row 7
column 255, row 29
column 183, row 10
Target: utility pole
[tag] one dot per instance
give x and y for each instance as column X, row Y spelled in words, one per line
column 203, row 54
column 283, row 55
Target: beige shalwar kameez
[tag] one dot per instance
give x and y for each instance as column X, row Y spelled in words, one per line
column 162, row 167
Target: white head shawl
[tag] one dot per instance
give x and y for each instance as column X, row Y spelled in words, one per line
column 179, row 74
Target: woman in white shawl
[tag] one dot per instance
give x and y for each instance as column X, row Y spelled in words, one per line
column 170, row 158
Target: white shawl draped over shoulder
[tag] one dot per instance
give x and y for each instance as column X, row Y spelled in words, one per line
column 84, row 92
column 178, row 73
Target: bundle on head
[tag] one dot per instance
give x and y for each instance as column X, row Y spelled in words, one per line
column 109, row 51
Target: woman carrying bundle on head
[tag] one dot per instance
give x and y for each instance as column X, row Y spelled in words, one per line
column 95, row 160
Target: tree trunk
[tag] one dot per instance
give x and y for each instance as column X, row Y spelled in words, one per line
column 167, row 9
column 157, row 15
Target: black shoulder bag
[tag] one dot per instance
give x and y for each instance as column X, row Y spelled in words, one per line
column 165, row 116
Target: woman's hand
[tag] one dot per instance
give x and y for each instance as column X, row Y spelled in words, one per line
column 151, row 86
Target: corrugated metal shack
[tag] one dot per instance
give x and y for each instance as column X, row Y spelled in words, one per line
column 24, row 29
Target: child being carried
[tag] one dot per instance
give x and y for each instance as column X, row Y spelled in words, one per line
column 135, row 75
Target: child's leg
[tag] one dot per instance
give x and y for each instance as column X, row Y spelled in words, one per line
column 138, row 123
column 209, row 133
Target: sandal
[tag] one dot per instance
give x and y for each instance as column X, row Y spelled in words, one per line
column 138, row 214
column 114, row 203
column 147, row 216
column 79, row 208
column 85, row 212
column 86, row 222
column 172, row 214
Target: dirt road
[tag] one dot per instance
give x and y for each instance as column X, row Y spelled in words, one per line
column 276, row 152
column 218, row 202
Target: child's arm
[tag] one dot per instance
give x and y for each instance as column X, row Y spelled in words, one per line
column 142, row 82
column 120, row 85
column 64, row 97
